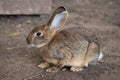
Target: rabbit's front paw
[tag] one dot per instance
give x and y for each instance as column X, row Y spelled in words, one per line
column 44, row 65
column 76, row 68
column 52, row 69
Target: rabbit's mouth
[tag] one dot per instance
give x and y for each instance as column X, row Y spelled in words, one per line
column 38, row 43
column 38, row 46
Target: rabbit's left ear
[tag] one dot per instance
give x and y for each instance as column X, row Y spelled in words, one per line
column 58, row 21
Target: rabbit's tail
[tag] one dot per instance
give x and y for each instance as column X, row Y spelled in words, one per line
column 100, row 56
column 97, row 58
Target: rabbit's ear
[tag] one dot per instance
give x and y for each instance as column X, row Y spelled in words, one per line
column 58, row 19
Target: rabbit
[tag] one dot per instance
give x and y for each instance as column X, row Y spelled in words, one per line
column 63, row 47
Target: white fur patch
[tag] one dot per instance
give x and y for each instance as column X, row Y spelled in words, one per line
column 100, row 56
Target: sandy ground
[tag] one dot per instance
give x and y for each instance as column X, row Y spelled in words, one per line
column 99, row 20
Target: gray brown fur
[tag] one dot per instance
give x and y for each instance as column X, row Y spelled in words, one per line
column 63, row 48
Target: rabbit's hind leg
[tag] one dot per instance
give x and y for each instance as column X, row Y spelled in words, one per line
column 78, row 68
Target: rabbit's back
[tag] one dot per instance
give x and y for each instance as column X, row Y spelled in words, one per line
column 71, row 38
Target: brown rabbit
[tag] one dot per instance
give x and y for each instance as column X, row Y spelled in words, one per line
column 63, row 47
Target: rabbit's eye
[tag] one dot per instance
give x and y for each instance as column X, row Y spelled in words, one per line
column 39, row 34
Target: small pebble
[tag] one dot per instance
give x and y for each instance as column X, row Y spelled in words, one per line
column 26, row 55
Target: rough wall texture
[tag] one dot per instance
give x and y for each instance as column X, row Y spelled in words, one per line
column 9, row 7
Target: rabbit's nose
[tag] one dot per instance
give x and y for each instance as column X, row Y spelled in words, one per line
column 29, row 39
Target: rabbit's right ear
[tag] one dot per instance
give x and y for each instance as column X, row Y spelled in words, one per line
column 58, row 19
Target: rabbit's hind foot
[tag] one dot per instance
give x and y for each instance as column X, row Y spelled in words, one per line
column 79, row 68
column 76, row 68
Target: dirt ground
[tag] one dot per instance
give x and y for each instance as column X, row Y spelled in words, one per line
column 99, row 20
